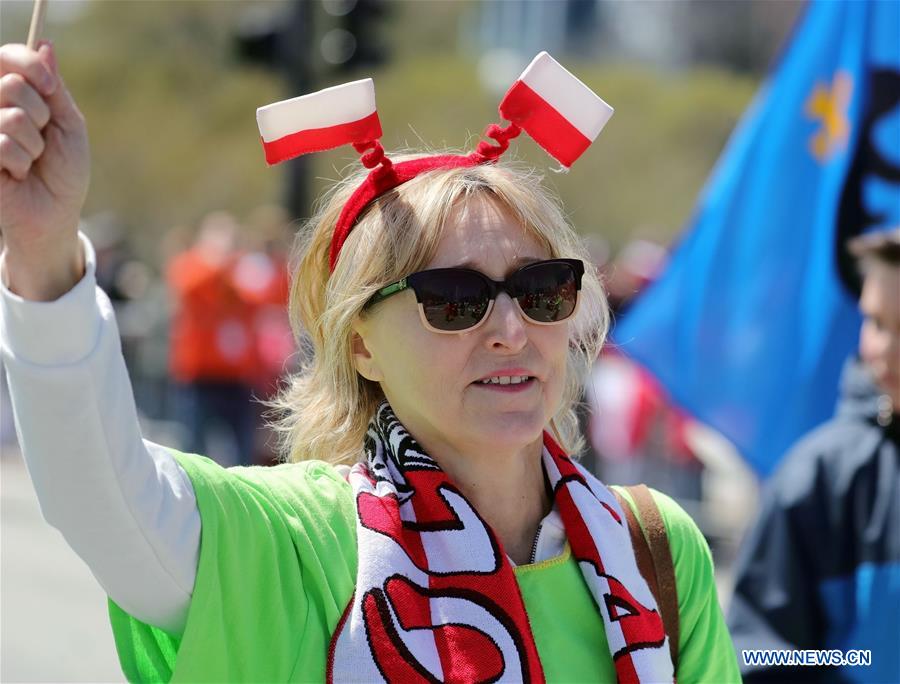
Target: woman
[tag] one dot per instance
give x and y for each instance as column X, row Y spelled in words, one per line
column 451, row 327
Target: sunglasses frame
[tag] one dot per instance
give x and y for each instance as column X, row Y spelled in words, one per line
column 495, row 287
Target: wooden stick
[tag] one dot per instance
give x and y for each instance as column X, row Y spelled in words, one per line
column 37, row 23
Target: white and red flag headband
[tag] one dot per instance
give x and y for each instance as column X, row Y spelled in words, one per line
column 556, row 109
column 320, row 121
column 549, row 103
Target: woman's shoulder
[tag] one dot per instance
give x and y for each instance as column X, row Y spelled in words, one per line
column 313, row 472
column 319, row 485
column 680, row 527
column 313, row 490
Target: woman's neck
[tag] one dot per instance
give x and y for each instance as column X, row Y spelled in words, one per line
column 507, row 490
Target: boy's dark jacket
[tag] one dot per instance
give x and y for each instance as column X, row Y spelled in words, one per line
column 821, row 567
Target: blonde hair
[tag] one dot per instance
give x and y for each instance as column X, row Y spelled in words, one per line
column 324, row 409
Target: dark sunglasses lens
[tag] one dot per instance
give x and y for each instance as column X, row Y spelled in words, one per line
column 547, row 292
column 452, row 300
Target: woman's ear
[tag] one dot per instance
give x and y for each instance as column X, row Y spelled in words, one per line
column 363, row 359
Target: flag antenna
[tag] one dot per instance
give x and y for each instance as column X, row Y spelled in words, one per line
column 37, row 23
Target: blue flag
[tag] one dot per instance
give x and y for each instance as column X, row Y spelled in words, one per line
column 750, row 322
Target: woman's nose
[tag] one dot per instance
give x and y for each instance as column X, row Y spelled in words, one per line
column 506, row 325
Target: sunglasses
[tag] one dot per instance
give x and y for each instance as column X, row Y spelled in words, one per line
column 452, row 300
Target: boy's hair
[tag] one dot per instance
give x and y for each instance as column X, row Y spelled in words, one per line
column 882, row 246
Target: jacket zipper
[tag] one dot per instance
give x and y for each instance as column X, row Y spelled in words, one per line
column 534, row 546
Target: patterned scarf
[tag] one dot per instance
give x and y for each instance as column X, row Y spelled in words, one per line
column 436, row 599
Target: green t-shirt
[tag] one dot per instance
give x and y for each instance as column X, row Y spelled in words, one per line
column 278, row 565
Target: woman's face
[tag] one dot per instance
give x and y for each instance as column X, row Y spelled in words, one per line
column 432, row 380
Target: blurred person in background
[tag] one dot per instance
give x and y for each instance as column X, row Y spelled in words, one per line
column 637, row 434
column 213, row 357
column 127, row 280
column 637, row 264
column 636, row 431
column 821, row 567
column 261, row 276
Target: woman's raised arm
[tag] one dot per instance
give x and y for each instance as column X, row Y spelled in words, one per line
column 122, row 503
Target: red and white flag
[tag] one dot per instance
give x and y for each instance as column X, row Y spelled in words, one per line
column 557, row 110
column 323, row 120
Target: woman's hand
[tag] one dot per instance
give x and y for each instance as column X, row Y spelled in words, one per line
column 44, row 172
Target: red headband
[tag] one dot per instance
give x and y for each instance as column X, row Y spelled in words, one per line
column 556, row 109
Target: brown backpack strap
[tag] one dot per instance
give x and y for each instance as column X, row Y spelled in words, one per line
column 654, row 558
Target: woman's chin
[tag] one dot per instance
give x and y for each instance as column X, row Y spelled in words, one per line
column 508, row 430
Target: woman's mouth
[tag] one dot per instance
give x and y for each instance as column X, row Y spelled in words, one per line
column 507, row 383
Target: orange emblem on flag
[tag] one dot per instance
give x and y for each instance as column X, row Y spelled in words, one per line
column 829, row 106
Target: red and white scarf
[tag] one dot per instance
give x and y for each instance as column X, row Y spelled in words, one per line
column 436, row 599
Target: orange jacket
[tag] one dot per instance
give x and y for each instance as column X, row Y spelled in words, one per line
column 211, row 336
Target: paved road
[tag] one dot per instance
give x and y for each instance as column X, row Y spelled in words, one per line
column 53, row 623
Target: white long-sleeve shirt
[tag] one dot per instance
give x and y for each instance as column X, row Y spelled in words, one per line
column 122, row 502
